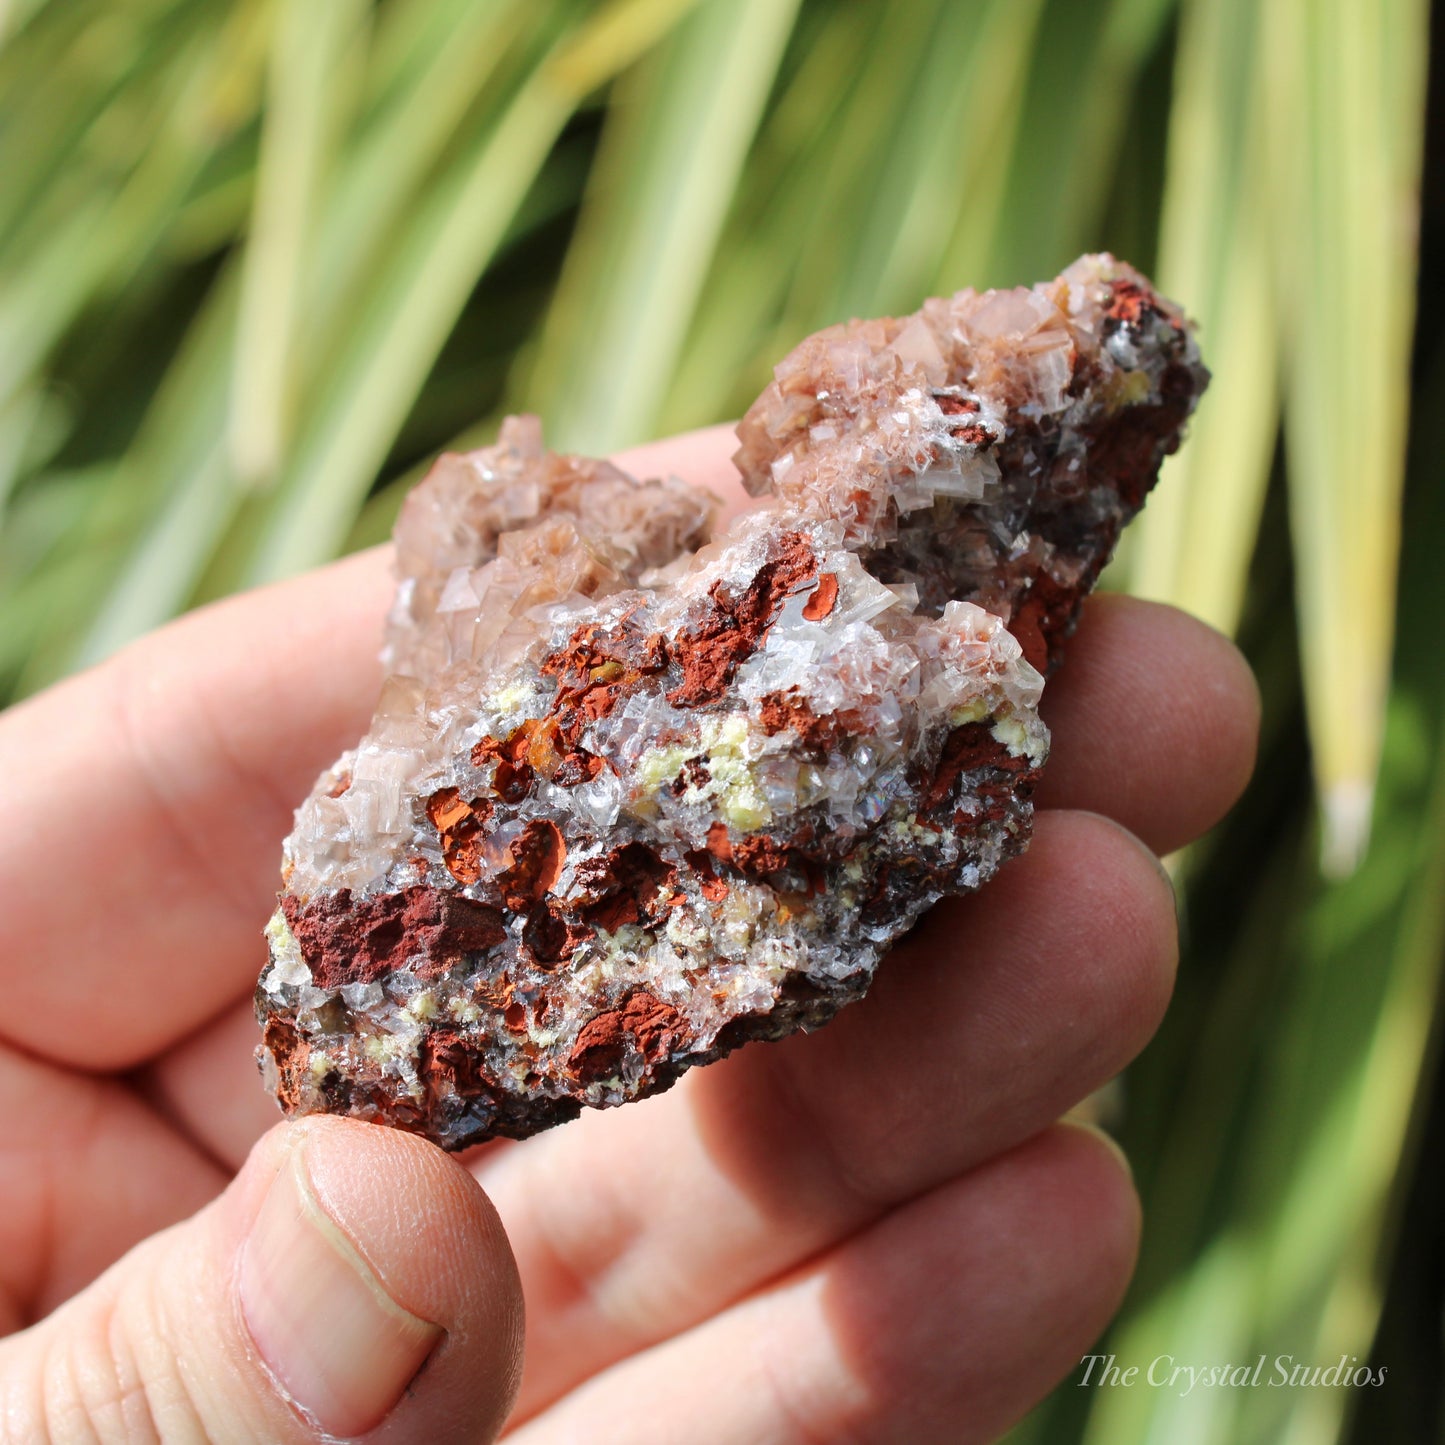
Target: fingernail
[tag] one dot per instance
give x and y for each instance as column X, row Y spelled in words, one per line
column 1087, row 1126
column 1169, row 868
column 340, row 1347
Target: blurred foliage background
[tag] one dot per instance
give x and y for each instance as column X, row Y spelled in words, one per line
column 260, row 259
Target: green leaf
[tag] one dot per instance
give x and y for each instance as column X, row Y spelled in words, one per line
column 1349, row 92
column 678, row 129
column 1193, row 545
column 312, row 46
column 415, row 299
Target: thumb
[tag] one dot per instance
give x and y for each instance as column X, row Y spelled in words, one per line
column 350, row 1279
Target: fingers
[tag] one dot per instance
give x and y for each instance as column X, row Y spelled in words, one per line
column 991, row 1022
column 297, row 1303
column 944, row 1322
column 1155, row 718
column 703, row 457
column 146, row 800
column 86, row 1170
column 208, row 1085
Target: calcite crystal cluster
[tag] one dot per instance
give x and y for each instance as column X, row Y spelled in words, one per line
column 635, row 794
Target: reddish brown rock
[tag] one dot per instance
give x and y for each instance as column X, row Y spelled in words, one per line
column 634, row 795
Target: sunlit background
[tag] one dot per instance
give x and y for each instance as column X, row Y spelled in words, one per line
column 260, row 259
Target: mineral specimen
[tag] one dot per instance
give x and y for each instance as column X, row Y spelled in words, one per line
column 633, row 796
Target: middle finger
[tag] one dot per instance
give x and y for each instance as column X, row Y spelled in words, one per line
column 1000, row 1013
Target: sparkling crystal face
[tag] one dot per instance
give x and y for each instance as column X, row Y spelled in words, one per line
column 634, row 795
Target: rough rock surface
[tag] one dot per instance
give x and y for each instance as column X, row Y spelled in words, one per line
column 633, row 797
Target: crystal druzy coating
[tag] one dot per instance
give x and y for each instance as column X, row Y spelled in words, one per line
column 635, row 794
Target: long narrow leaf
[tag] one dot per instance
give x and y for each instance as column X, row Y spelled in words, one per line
column 678, row 130
column 1193, row 545
column 1087, row 64
column 305, row 94
column 1346, row 174
column 201, row 491
column 417, row 299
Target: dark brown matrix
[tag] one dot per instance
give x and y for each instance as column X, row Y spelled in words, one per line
column 635, row 794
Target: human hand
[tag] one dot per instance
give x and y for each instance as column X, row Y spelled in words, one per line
column 876, row 1232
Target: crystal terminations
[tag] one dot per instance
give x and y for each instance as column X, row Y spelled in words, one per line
column 633, row 795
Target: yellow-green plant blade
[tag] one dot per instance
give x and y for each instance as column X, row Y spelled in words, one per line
column 415, row 300
column 1333, row 1115
column 175, row 467
column 38, row 579
column 97, row 243
column 1355, row 1054
column 1193, row 1295
column 853, row 192
column 14, row 14
column 69, row 247
column 1085, row 73
column 400, row 146
column 1278, row 1157
column 398, row 336
column 1192, row 547
column 852, row 166
column 197, row 491
column 1348, row 81
column 953, row 136
column 19, row 419
column 678, row 129
column 311, row 47
column 616, row 36
column 67, row 82
column 785, row 185
column 997, row 79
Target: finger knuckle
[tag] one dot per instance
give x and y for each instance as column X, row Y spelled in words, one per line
column 81, row 1380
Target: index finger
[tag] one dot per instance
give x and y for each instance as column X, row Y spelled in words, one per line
column 148, row 798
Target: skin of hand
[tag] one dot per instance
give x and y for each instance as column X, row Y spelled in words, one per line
column 876, row 1233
